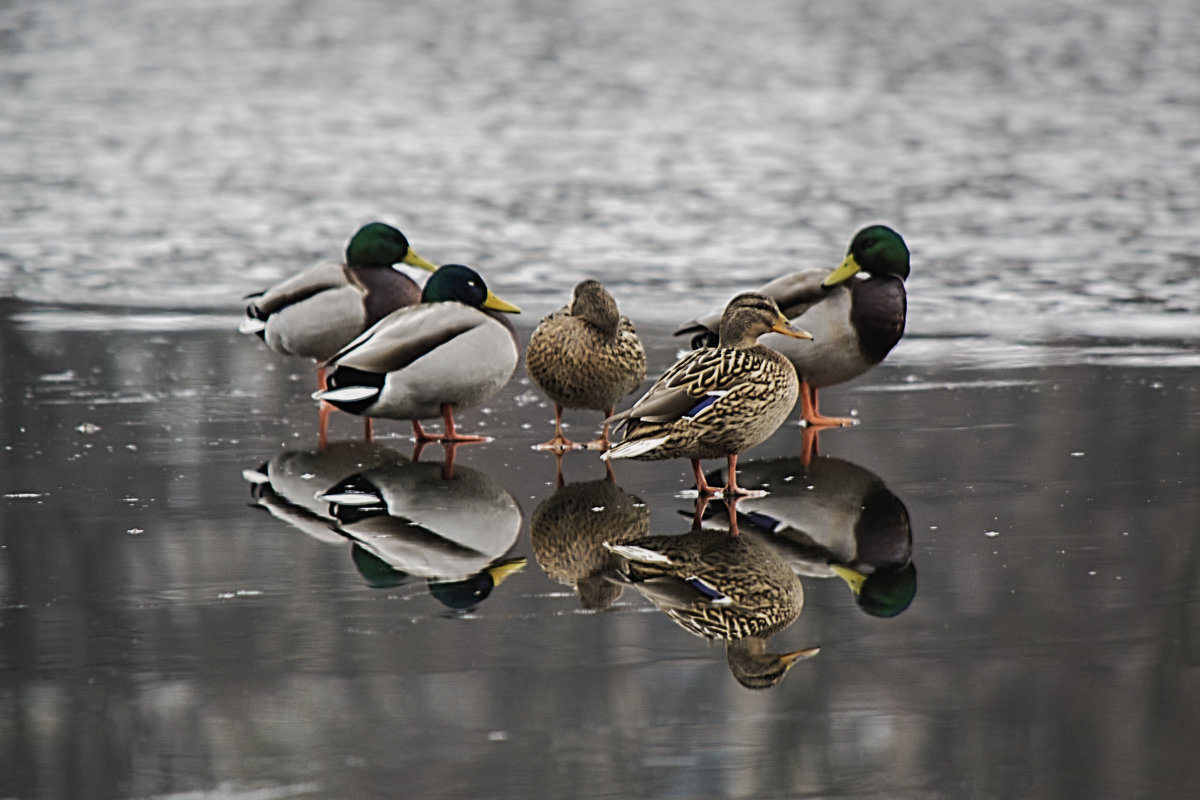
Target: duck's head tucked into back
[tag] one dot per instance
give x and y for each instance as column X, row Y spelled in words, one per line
column 750, row 315
column 876, row 250
column 592, row 302
column 459, row 283
column 378, row 244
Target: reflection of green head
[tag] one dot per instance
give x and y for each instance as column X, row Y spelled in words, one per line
column 884, row 593
column 470, row 592
column 375, row 571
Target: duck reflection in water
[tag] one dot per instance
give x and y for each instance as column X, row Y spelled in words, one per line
column 406, row 519
column 720, row 587
column 569, row 530
column 829, row 517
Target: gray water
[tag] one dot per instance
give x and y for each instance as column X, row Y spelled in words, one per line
column 172, row 626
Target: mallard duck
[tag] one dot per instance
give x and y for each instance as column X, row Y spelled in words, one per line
column 318, row 311
column 832, row 518
column 569, row 529
column 426, row 525
column 716, row 586
column 449, row 351
column 586, row 355
column 716, row 401
column 855, row 322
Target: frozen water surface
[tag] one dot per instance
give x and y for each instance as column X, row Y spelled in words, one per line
column 181, row 614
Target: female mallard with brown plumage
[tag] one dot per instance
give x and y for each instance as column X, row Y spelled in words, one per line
column 716, row 402
column 717, row 586
column 586, row 355
column 855, row 321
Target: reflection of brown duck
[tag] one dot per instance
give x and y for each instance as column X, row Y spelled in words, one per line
column 721, row 587
column 569, row 529
column 831, row 517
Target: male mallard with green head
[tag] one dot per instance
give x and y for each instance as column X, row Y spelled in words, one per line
column 451, row 351
column 855, row 321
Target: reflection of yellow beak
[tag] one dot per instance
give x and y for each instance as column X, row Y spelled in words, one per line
column 783, row 326
column 505, row 568
column 848, row 269
column 853, row 578
column 496, row 304
column 414, row 260
column 791, row 658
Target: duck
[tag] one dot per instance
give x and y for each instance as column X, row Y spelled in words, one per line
column 450, row 351
column 719, row 587
column 316, row 312
column 833, row 518
column 855, row 320
column 568, row 532
column 716, row 402
column 585, row 355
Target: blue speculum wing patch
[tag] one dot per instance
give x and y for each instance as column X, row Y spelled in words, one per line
column 705, row 403
column 707, row 589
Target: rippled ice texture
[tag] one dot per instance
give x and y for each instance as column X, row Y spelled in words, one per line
column 1042, row 158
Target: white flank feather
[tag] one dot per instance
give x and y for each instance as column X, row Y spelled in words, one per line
column 632, row 552
column 346, row 394
column 633, row 449
column 250, row 325
column 254, row 476
column 349, row 498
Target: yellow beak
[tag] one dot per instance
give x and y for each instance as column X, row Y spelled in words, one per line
column 414, row 260
column 496, row 304
column 783, row 326
column 848, row 269
column 502, row 570
column 853, row 578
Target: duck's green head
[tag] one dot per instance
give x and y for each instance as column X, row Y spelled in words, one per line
column 378, row 244
column 884, row 593
column 461, row 284
column 876, row 250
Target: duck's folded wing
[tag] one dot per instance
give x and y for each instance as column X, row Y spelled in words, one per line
column 795, row 293
column 408, row 334
column 301, row 286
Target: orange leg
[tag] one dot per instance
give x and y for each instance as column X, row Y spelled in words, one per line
column 602, row 444
column 702, row 485
column 560, row 442
column 810, row 414
column 732, row 491
column 451, row 435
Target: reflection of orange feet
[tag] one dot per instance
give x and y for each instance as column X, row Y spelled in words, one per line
column 810, row 414
column 602, row 444
column 559, row 444
column 810, row 444
column 731, row 506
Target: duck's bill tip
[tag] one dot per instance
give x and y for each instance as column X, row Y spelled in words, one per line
column 845, row 271
column 496, row 304
column 414, row 260
column 788, row 330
